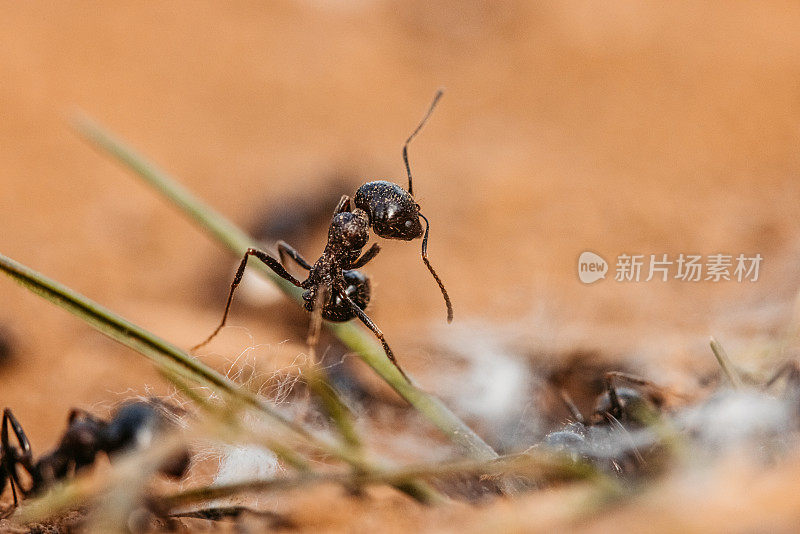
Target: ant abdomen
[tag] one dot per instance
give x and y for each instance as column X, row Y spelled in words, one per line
column 357, row 288
column 136, row 425
column 133, row 425
column 392, row 210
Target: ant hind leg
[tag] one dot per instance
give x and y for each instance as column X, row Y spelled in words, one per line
column 372, row 326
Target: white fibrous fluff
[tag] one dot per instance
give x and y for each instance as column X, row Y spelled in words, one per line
column 490, row 384
column 245, row 463
column 735, row 419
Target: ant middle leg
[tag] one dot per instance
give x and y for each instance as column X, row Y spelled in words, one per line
column 372, row 326
column 284, row 250
column 271, row 262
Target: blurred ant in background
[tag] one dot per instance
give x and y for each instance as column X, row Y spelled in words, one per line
column 7, row 346
column 334, row 280
column 604, row 438
column 132, row 427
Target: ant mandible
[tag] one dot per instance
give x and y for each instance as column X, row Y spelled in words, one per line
column 334, row 280
column 132, row 426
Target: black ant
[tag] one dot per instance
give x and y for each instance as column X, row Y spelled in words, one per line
column 617, row 410
column 133, row 426
column 334, row 280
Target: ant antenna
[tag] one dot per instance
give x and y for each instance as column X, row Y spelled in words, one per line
column 430, row 267
column 436, row 98
column 570, row 404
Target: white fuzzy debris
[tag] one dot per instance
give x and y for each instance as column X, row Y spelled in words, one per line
column 492, row 384
column 732, row 419
column 497, row 383
column 256, row 290
column 245, row 464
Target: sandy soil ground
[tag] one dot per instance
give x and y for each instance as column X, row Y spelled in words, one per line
column 615, row 128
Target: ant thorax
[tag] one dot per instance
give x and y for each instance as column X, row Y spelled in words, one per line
column 348, row 234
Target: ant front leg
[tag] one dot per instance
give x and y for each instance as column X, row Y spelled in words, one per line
column 284, row 249
column 12, row 455
column 372, row 326
column 271, row 262
column 343, row 205
column 367, row 256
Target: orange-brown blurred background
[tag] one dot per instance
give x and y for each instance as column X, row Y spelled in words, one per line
column 614, row 127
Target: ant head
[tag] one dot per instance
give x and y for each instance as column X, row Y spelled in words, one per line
column 349, row 230
column 392, row 210
column 357, row 288
column 633, row 406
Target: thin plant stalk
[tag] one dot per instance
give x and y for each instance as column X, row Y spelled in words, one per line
column 237, row 241
column 725, row 364
column 161, row 352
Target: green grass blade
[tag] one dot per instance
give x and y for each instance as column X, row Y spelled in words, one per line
column 171, row 359
column 162, row 353
column 237, row 241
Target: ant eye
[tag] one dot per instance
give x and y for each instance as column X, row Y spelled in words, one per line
column 408, row 224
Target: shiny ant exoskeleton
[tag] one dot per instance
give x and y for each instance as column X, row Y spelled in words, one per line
column 133, row 426
column 333, row 280
column 604, row 438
